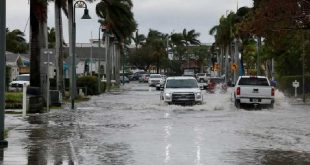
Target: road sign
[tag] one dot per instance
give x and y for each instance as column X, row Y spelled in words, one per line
column 295, row 85
column 233, row 67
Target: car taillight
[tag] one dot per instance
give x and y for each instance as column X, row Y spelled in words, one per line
column 238, row 91
column 272, row 91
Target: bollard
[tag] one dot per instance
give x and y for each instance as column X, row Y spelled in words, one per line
column 24, row 99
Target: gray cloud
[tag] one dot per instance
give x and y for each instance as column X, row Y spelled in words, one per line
column 163, row 15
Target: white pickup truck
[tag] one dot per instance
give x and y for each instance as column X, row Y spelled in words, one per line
column 254, row 90
column 181, row 90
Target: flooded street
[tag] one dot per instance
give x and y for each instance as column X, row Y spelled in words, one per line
column 133, row 127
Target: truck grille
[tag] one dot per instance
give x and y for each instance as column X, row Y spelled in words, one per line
column 178, row 97
column 17, row 85
column 155, row 81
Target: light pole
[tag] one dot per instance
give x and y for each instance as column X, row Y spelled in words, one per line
column 77, row 4
column 99, row 68
column 48, row 53
column 3, row 143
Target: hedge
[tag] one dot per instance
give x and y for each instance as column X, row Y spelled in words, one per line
column 285, row 84
column 13, row 100
column 89, row 85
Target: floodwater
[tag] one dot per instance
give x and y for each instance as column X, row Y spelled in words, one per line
column 133, row 127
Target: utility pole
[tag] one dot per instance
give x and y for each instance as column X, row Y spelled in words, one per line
column 3, row 143
column 303, row 67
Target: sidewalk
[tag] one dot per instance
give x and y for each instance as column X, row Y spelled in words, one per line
column 298, row 101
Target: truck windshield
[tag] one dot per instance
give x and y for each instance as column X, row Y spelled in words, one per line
column 155, row 76
column 254, row 81
column 23, row 78
column 182, row 83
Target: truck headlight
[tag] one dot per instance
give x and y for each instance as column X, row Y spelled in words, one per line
column 198, row 95
column 168, row 96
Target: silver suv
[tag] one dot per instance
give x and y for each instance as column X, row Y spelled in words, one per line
column 181, row 90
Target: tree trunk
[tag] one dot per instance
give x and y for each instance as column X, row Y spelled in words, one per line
column 117, row 65
column 34, row 47
column 59, row 50
column 226, row 63
column 37, row 42
column 108, row 62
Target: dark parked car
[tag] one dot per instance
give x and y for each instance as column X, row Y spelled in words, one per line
column 137, row 75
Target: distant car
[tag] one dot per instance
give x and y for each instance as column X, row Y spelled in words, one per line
column 125, row 78
column 144, row 78
column 20, row 81
column 161, row 83
column 203, row 77
column 181, row 90
column 154, row 79
column 137, row 75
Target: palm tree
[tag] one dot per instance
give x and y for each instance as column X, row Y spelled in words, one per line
column 138, row 39
column 190, row 38
column 38, row 16
column 15, row 41
column 59, row 4
column 119, row 21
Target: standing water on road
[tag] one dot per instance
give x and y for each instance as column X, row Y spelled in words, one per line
column 134, row 127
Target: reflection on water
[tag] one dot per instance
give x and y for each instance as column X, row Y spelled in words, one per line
column 271, row 157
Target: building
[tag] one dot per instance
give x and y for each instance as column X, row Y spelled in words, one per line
column 19, row 64
column 87, row 59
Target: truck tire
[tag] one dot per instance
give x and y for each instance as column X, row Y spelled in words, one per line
column 271, row 106
column 237, row 103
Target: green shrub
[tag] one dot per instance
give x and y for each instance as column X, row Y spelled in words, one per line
column 285, row 84
column 13, row 100
column 89, row 85
column 7, row 76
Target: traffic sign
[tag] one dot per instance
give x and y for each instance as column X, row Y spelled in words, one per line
column 233, row 67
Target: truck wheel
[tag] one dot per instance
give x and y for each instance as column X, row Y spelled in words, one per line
column 271, row 106
column 237, row 103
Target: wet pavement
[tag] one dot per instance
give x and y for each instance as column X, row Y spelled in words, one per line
column 133, row 127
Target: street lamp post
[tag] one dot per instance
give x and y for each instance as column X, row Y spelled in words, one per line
column 3, row 143
column 77, row 4
column 48, row 53
column 99, row 69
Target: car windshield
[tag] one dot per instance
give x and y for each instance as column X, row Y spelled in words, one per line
column 254, row 81
column 155, row 76
column 23, row 78
column 181, row 83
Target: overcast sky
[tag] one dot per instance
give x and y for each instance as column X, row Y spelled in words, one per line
column 165, row 16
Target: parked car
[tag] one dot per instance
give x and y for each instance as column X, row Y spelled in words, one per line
column 20, row 80
column 137, row 75
column 154, row 79
column 125, row 78
column 254, row 90
column 181, row 90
